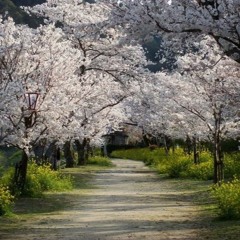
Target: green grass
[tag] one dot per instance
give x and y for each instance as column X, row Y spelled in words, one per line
column 100, row 161
column 177, row 164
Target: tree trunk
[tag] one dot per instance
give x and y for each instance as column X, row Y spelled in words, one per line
column 87, row 150
column 195, row 151
column 166, row 140
column 55, row 157
column 217, row 154
column 20, row 174
column 81, row 147
column 218, row 163
column 188, row 146
column 68, row 155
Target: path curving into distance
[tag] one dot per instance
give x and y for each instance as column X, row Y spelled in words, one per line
column 128, row 201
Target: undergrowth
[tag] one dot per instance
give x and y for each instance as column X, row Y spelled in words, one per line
column 39, row 179
column 99, row 161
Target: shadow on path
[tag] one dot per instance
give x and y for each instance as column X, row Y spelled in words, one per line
column 127, row 202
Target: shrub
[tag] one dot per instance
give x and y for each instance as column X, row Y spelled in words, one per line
column 100, row 161
column 227, row 196
column 43, row 178
column 136, row 154
column 7, row 180
column 6, row 200
column 175, row 164
column 232, row 165
column 205, row 156
column 32, row 186
column 202, row 171
column 149, row 157
column 39, row 179
column 176, row 168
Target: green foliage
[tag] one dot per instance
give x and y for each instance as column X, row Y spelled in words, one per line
column 142, row 154
column 227, row 196
column 177, row 168
column 2, row 157
column 232, row 165
column 9, row 157
column 178, row 164
column 7, row 180
column 230, row 145
column 205, row 156
column 39, row 179
column 175, row 164
column 100, row 161
column 14, row 158
column 43, row 178
column 203, row 171
column 6, row 200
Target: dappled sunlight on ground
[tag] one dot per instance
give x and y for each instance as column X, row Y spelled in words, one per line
column 127, row 202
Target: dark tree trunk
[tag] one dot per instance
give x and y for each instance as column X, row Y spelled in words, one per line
column 188, row 146
column 167, row 144
column 145, row 139
column 218, row 162
column 217, row 153
column 195, row 151
column 55, row 157
column 20, row 174
column 87, row 150
column 68, row 155
column 81, row 147
column 173, row 146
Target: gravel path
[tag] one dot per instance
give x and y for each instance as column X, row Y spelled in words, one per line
column 129, row 202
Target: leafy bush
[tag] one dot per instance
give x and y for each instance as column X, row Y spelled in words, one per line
column 178, row 164
column 136, row 154
column 7, row 180
column 232, row 165
column 39, row 179
column 100, row 161
column 43, row 178
column 175, row 164
column 176, row 168
column 227, row 196
column 149, row 157
column 205, row 156
column 6, row 200
column 202, row 171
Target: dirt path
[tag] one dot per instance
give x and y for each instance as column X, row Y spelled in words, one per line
column 129, row 202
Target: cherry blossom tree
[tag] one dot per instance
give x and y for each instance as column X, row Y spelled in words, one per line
column 85, row 25
column 199, row 101
column 109, row 60
column 89, row 71
column 77, row 69
column 180, row 23
column 33, row 60
column 210, row 93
